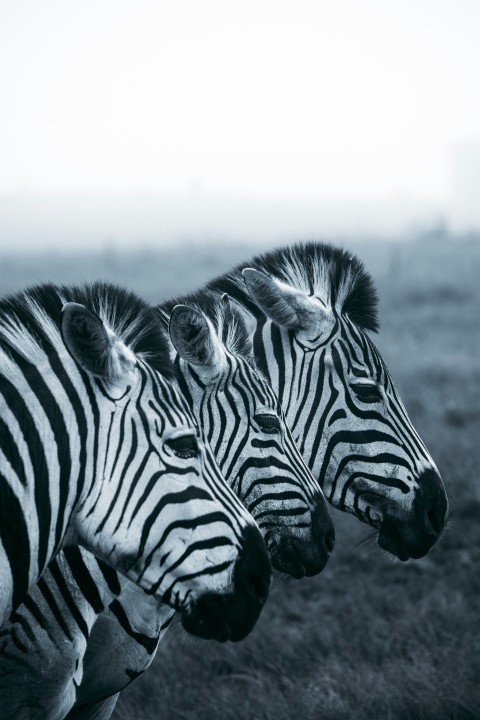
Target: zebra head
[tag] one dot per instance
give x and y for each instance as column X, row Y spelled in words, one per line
column 246, row 429
column 158, row 509
column 340, row 401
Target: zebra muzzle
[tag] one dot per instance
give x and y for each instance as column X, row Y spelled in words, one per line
column 415, row 534
column 303, row 551
column 231, row 616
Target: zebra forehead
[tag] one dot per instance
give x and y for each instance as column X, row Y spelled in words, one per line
column 335, row 275
column 30, row 320
column 226, row 320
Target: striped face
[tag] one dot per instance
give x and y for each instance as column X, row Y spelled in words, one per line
column 252, row 444
column 104, row 452
column 347, row 418
column 159, row 510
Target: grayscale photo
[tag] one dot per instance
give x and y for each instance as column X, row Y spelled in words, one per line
column 239, row 360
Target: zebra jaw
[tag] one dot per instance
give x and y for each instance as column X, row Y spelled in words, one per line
column 292, row 555
column 231, row 616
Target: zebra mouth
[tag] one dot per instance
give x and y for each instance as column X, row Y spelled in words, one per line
column 221, row 618
column 391, row 542
column 208, row 625
column 285, row 556
column 290, row 564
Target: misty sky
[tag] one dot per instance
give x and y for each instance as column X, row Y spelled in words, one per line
column 292, row 98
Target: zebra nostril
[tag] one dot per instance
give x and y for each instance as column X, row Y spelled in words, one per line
column 434, row 521
column 257, row 586
column 330, row 540
column 432, row 502
column 253, row 570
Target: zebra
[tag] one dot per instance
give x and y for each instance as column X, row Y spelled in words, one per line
column 99, row 449
column 310, row 308
column 244, row 424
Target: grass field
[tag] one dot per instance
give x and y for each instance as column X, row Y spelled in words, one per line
column 370, row 637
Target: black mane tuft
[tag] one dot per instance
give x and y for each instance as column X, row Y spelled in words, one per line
column 314, row 267
column 132, row 319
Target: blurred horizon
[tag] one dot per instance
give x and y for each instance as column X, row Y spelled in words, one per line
column 66, row 222
column 88, row 222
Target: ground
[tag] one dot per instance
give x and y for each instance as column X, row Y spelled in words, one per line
column 370, row 637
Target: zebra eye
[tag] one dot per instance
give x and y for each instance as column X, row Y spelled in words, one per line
column 367, row 392
column 268, row 423
column 184, row 447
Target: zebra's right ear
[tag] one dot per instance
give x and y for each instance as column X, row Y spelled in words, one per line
column 93, row 346
column 285, row 305
column 194, row 338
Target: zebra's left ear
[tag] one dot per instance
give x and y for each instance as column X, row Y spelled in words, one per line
column 93, row 346
column 285, row 305
column 195, row 339
column 225, row 299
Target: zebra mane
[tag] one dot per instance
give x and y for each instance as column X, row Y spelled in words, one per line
column 334, row 274
column 225, row 318
column 30, row 321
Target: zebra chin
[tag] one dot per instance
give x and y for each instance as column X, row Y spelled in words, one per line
column 231, row 616
column 303, row 552
column 414, row 535
column 404, row 547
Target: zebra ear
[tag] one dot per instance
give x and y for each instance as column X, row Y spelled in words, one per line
column 194, row 338
column 285, row 305
column 226, row 304
column 93, row 346
column 227, row 316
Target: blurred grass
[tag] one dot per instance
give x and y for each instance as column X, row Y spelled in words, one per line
column 370, row 637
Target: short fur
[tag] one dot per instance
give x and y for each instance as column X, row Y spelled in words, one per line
column 30, row 321
column 335, row 275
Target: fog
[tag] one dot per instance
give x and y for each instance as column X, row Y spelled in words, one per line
column 160, row 121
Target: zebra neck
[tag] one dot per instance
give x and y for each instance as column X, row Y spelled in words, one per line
column 46, row 464
column 288, row 367
column 272, row 348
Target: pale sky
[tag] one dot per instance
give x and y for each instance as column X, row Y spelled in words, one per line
column 330, row 99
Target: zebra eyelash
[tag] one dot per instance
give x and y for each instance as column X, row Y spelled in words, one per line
column 367, row 391
column 267, row 422
column 184, row 446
